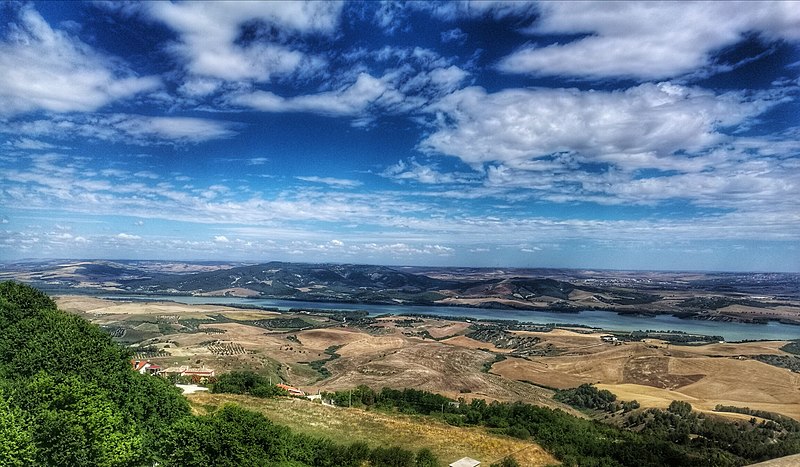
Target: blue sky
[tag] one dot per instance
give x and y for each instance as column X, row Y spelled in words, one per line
column 577, row 134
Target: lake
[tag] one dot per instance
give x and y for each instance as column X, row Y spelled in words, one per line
column 732, row 332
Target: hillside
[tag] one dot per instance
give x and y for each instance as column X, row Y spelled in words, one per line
column 379, row 429
column 741, row 297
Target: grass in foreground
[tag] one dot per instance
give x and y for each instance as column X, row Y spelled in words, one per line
column 343, row 425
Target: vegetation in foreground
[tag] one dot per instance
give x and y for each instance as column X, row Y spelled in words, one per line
column 677, row 436
column 69, row 397
column 382, row 428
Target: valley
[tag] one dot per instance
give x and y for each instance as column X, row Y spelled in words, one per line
column 328, row 351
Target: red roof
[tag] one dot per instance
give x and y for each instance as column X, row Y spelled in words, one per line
column 290, row 389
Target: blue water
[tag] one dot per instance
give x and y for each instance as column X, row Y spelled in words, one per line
column 610, row 321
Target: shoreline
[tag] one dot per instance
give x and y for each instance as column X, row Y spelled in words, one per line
column 505, row 321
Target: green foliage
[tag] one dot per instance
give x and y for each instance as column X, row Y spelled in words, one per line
column 16, row 442
column 680, row 408
column 74, row 388
column 68, row 397
column 792, row 347
column 319, row 365
column 628, row 406
column 785, row 423
column 662, row 437
column 586, row 396
column 392, row 457
column 426, row 458
column 246, row 382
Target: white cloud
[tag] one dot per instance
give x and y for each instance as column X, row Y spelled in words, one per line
column 454, row 10
column 132, row 129
column 427, row 174
column 350, row 100
column 516, row 126
column 647, row 40
column 31, row 144
column 330, row 181
column 211, row 36
column 46, row 69
column 453, row 35
column 405, row 249
column 125, row 236
column 221, row 239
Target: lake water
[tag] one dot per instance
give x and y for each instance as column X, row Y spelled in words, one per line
column 599, row 319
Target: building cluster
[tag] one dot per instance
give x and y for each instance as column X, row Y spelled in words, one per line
column 148, row 368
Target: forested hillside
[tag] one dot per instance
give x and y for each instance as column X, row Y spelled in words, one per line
column 68, row 397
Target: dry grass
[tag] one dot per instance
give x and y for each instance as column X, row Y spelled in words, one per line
column 378, row 429
column 653, row 372
column 657, row 376
column 466, row 342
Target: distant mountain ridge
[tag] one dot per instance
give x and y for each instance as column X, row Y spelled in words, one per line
column 278, row 278
column 748, row 297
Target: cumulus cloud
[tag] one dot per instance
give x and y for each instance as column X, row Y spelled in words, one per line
column 515, row 126
column 646, row 40
column 234, row 41
column 125, row 236
column 47, row 69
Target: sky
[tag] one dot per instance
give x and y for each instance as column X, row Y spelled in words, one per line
column 630, row 135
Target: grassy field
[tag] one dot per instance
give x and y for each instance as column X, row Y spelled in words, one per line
column 345, row 425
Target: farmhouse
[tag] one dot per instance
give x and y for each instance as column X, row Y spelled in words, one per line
column 293, row 391
column 608, row 338
column 146, row 368
column 196, row 374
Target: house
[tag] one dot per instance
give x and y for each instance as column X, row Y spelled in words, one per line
column 466, row 462
column 293, row 391
column 608, row 338
column 146, row 368
column 198, row 375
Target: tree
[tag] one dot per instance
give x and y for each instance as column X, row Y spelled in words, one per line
column 16, row 443
column 680, row 408
column 426, row 458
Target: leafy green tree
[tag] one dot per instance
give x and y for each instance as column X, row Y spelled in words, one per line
column 16, row 442
column 392, row 457
column 426, row 458
column 680, row 408
column 77, row 423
